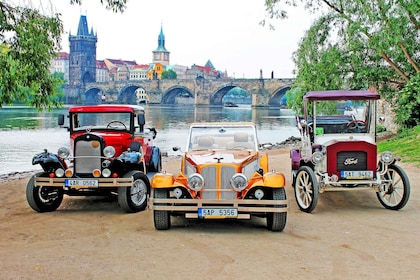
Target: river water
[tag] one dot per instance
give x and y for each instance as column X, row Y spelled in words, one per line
column 25, row 132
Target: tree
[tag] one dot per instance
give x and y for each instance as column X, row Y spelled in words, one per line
column 370, row 43
column 169, row 75
column 29, row 41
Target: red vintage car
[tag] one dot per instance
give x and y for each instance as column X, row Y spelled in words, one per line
column 339, row 152
column 110, row 153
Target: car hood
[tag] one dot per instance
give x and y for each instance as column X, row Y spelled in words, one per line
column 227, row 157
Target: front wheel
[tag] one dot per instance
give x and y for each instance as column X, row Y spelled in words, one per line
column 306, row 189
column 395, row 189
column 43, row 199
column 277, row 221
column 161, row 218
column 134, row 199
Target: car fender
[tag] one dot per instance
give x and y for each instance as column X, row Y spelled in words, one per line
column 162, row 180
column 295, row 156
column 274, row 179
column 155, row 156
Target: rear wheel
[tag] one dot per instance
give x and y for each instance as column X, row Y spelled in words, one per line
column 134, row 199
column 395, row 190
column 43, row 199
column 277, row 221
column 306, row 189
column 161, row 218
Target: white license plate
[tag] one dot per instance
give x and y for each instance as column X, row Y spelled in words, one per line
column 81, row 183
column 217, row 213
column 366, row 174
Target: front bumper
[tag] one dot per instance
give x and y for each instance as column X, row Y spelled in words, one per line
column 102, row 183
column 245, row 207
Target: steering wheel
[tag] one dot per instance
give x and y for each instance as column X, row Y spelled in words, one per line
column 119, row 122
column 357, row 126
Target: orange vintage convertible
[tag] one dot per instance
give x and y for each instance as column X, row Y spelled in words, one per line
column 223, row 176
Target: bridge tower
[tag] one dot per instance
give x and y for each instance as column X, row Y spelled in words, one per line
column 82, row 64
column 160, row 54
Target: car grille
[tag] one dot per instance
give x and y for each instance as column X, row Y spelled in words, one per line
column 218, row 188
column 87, row 157
column 350, row 161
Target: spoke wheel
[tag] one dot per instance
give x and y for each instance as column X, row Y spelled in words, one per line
column 277, row 221
column 306, row 189
column 161, row 218
column 395, row 189
column 134, row 199
column 43, row 199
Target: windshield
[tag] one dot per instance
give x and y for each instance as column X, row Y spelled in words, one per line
column 222, row 138
column 101, row 121
column 337, row 117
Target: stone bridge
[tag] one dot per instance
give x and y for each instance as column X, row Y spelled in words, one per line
column 263, row 92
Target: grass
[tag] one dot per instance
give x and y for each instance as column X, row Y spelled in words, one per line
column 405, row 145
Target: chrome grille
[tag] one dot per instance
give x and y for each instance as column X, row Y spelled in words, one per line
column 212, row 188
column 351, row 160
column 87, row 157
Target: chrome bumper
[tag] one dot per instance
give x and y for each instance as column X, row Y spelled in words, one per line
column 245, row 207
column 102, row 182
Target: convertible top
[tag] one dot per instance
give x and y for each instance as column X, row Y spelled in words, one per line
column 341, row 95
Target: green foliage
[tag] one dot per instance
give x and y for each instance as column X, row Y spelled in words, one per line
column 357, row 45
column 407, row 105
column 29, row 41
column 404, row 145
column 114, row 5
column 169, row 75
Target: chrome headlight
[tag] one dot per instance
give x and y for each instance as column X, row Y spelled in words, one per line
column 238, row 182
column 109, row 151
column 63, row 152
column 106, row 173
column 317, row 157
column 59, row 172
column 387, row 157
column 196, row 182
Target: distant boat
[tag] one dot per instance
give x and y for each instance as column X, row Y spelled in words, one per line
column 230, row 104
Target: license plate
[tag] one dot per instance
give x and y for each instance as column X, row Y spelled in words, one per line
column 366, row 174
column 217, row 213
column 81, row 183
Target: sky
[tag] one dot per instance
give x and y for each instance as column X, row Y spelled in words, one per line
column 226, row 32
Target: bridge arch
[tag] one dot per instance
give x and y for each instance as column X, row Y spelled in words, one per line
column 216, row 98
column 277, row 98
column 92, row 96
column 174, row 94
column 128, row 95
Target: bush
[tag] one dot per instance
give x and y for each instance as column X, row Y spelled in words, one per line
column 407, row 109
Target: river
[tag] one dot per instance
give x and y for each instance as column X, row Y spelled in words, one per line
column 25, row 132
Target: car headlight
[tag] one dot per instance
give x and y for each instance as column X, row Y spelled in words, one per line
column 387, row 157
column 106, row 173
column 59, row 172
column 196, row 181
column 63, row 152
column 238, row 182
column 317, row 157
column 109, row 151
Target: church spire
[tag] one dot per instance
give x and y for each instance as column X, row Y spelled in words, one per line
column 161, row 54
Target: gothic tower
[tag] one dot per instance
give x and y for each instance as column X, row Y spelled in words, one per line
column 82, row 64
column 161, row 55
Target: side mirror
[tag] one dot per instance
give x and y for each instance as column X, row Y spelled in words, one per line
column 60, row 119
column 141, row 120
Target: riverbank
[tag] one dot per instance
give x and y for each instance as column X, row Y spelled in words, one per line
column 348, row 236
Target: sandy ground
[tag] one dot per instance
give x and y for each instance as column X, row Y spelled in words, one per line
column 348, row 236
